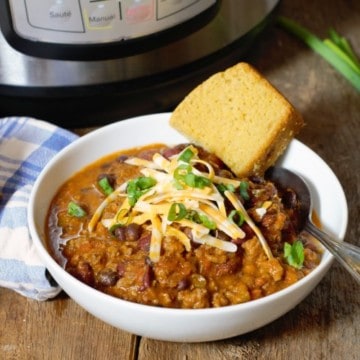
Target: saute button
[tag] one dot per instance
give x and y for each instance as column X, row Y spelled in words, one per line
column 61, row 15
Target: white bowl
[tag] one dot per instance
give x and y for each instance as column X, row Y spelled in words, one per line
column 184, row 325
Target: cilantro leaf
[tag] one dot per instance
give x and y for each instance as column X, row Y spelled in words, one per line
column 294, row 254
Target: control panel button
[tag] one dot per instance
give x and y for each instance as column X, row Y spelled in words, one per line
column 61, row 15
column 137, row 11
column 101, row 14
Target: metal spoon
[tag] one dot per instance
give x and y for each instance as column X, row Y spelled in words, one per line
column 347, row 254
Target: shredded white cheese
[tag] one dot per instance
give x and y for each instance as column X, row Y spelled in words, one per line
column 203, row 201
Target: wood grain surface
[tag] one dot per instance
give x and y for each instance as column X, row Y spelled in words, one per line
column 326, row 324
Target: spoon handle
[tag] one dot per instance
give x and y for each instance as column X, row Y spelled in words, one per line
column 347, row 254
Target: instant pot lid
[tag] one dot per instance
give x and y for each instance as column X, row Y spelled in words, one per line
column 75, row 93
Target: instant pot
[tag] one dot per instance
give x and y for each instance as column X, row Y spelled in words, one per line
column 90, row 62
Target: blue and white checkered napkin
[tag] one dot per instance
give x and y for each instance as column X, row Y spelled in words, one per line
column 26, row 146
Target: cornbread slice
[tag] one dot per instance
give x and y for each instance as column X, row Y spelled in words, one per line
column 240, row 117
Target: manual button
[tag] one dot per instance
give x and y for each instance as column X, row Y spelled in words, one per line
column 101, row 15
column 60, row 15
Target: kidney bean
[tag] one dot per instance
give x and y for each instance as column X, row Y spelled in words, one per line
column 147, row 278
column 148, row 261
column 130, row 232
column 144, row 242
column 222, row 236
column 183, row 284
column 121, row 269
column 83, row 272
column 187, row 232
column 214, row 160
column 257, row 179
column 108, row 277
column 249, row 232
column 147, row 154
column 133, row 232
column 120, row 233
column 225, row 173
column 169, row 152
column 122, row 158
column 238, row 241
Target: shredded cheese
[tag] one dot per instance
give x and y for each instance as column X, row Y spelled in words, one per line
column 156, row 238
column 202, row 207
column 239, row 206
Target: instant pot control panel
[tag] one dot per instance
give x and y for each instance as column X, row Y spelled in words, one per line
column 66, row 23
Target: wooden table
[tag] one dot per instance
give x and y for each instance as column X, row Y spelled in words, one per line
column 326, row 324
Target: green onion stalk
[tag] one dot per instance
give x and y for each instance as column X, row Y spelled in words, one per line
column 336, row 50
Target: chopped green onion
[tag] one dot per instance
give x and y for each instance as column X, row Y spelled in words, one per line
column 237, row 217
column 193, row 216
column 196, row 181
column 342, row 59
column 186, row 155
column 190, row 179
column 183, row 174
column 225, row 187
column 75, row 209
column 177, row 212
column 198, row 218
column 244, row 186
column 294, row 254
column 105, row 186
column 137, row 187
column 208, row 223
column 181, row 171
